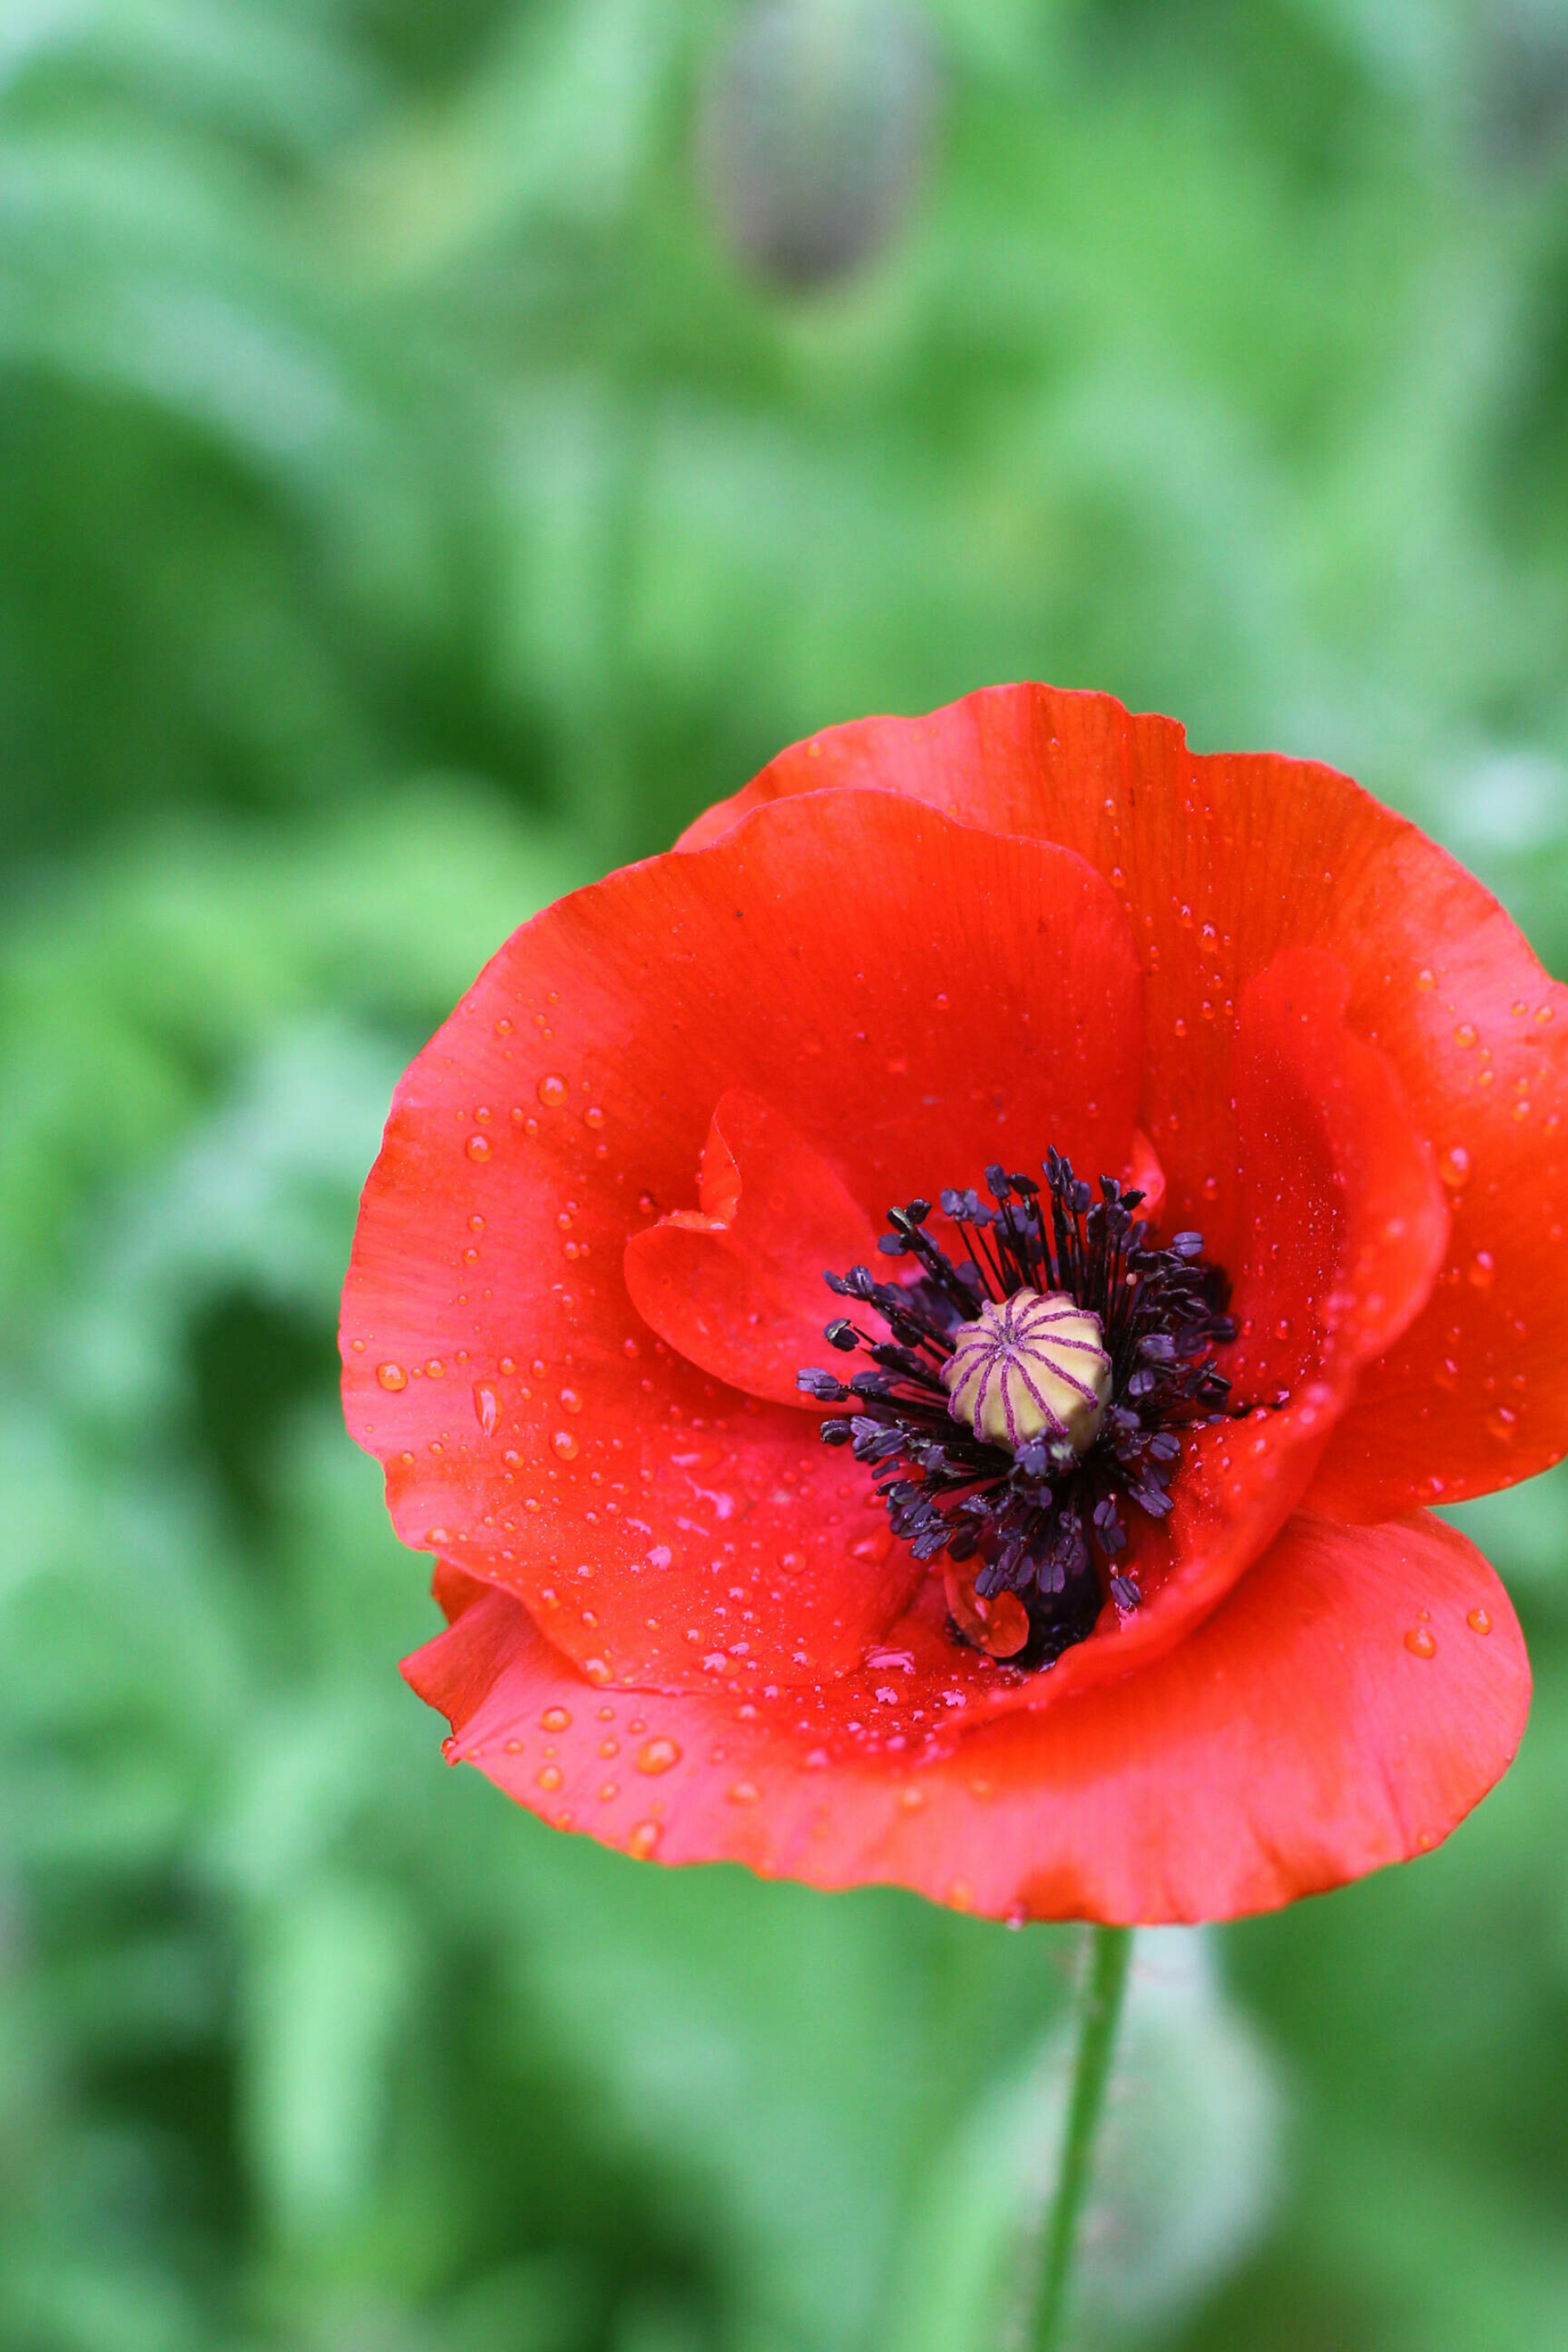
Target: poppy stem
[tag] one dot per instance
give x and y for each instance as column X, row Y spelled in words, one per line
column 1108, row 1952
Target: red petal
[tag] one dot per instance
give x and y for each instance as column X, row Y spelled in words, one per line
column 736, row 1286
column 914, row 998
column 1223, row 861
column 1297, row 1740
column 1337, row 1233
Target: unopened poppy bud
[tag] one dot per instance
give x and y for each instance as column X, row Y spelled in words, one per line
column 1033, row 1368
column 815, row 134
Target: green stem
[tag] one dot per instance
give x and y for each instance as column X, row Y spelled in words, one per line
column 1104, row 1982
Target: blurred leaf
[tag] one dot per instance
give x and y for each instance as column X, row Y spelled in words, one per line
column 330, row 1989
column 1186, row 2171
column 122, row 995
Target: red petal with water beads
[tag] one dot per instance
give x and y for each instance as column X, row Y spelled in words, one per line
column 1339, row 1228
column 1348, row 1704
column 1223, row 861
column 902, row 990
column 735, row 1285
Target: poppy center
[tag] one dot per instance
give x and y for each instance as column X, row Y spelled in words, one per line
column 1031, row 1394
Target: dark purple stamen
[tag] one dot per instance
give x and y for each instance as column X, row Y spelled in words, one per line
column 1045, row 1522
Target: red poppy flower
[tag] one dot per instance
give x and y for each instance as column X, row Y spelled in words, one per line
column 1159, row 1629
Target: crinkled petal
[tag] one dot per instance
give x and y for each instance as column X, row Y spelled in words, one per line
column 914, row 998
column 736, row 1285
column 1338, row 1230
column 1342, row 1709
column 1223, row 861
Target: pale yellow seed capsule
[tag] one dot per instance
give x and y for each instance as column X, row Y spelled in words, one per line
column 1033, row 1368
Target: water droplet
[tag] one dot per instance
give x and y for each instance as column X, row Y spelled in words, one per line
column 478, row 1147
column 548, row 1777
column 570, row 1400
column 449, row 1747
column 1419, row 1643
column 609, row 1792
column 392, row 1376
column 565, row 1444
column 1543, row 1012
column 910, row 1800
column 643, row 1840
column 744, row 1793
column 593, row 1116
column 1503, row 1423
column 1479, row 1622
column 1454, row 1167
column 555, row 1718
column 596, row 1670
column 1521, row 1108
column 658, row 1756
column 512, row 1746
column 1465, row 1035
column 1482, row 1268
column 434, row 1370
column 1211, row 1188
column 960, row 1896
column 551, row 1090
column 487, row 1408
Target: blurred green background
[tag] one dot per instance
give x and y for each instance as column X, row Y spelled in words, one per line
column 443, row 443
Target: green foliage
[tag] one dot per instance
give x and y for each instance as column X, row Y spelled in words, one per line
column 408, row 505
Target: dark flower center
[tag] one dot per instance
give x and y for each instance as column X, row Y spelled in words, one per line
column 1031, row 1392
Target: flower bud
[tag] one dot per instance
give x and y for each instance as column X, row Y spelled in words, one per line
column 1034, row 1368
column 815, row 134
